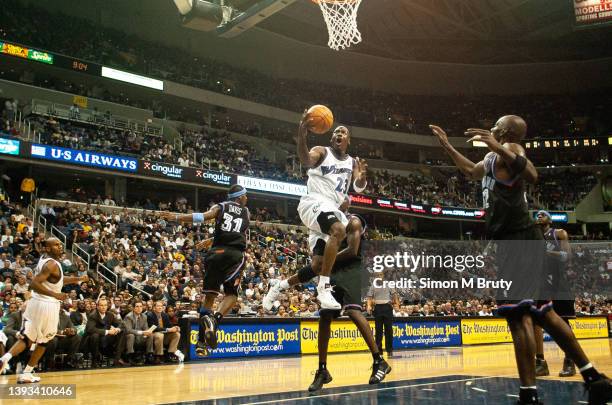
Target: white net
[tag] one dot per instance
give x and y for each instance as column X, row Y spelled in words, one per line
column 341, row 20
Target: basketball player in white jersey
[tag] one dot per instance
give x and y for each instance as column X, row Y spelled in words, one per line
column 41, row 316
column 330, row 173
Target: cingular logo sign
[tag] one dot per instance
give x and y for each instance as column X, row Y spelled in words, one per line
column 166, row 170
column 214, row 177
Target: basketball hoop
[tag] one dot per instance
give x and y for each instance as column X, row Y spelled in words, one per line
column 341, row 20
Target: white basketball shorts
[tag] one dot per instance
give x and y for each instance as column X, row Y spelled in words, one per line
column 311, row 208
column 40, row 320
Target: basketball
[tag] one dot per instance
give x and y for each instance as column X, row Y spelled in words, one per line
column 321, row 119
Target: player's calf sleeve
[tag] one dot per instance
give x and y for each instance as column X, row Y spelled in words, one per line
column 306, row 274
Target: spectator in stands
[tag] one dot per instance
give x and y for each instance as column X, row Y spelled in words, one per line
column 5, row 248
column 109, row 201
column 22, row 286
column 75, row 113
column 13, row 325
column 164, row 335
column 105, row 333
column 137, row 333
column 67, row 340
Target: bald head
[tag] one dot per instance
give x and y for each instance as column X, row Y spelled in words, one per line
column 51, row 241
column 54, row 248
column 515, row 126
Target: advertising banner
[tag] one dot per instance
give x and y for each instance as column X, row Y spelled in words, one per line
column 360, row 200
column 478, row 331
column 84, row 158
column 345, row 337
column 172, row 171
column 272, row 186
column 408, row 335
column 587, row 328
column 9, row 146
column 249, row 340
column 161, row 169
column 213, row 177
column 26, row 53
column 80, row 101
column 592, row 12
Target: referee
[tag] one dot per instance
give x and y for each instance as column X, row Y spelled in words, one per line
column 382, row 300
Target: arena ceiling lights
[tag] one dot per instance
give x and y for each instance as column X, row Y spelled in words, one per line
column 132, row 78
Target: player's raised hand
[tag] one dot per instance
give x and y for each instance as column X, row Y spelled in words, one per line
column 362, row 168
column 238, row 280
column 440, row 133
column 304, row 123
column 84, row 278
column 60, row 296
column 484, row 136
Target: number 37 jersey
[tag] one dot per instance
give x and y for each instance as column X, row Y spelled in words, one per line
column 332, row 178
column 231, row 226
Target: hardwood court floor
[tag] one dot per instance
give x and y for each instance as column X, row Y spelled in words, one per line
column 239, row 378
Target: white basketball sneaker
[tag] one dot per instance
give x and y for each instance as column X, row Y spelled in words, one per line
column 27, row 378
column 326, row 298
column 271, row 296
column 180, row 356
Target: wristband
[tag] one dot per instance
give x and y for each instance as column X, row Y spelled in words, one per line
column 519, row 164
column 564, row 256
column 359, row 189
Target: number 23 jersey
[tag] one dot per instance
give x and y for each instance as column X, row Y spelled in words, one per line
column 332, row 178
column 231, row 225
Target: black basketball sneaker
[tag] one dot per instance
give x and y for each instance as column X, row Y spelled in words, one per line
column 379, row 371
column 322, row 376
column 210, row 325
column 600, row 391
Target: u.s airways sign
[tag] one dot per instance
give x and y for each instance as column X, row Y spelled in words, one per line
column 84, row 158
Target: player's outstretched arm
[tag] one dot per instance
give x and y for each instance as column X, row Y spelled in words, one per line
column 475, row 171
column 40, row 278
column 360, row 171
column 191, row 218
column 76, row 280
column 509, row 154
column 312, row 157
column 512, row 154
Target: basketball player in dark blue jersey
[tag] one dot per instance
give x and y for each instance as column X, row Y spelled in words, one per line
column 346, row 282
column 558, row 254
column 224, row 260
column 504, row 172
